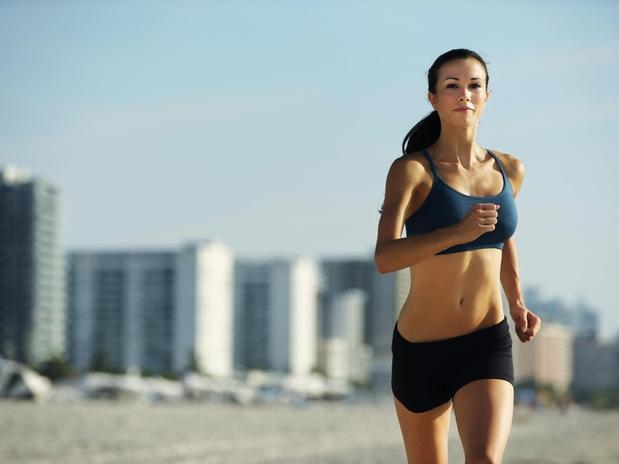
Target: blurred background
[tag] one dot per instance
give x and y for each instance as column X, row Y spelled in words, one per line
column 189, row 197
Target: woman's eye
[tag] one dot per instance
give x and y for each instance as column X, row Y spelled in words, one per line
column 455, row 86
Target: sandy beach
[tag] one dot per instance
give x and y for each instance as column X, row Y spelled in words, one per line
column 107, row 432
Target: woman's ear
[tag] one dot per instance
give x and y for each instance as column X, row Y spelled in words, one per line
column 432, row 99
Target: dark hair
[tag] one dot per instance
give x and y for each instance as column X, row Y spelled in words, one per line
column 426, row 132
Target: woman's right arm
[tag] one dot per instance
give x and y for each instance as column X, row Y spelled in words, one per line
column 392, row 251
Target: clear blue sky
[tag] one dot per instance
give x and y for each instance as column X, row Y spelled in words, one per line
column 271, row 125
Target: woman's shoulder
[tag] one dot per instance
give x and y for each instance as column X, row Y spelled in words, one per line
column 512, row 165
column 411, row 166
column 513, row 168
column 406, row 174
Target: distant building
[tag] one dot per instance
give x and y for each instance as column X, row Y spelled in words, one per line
column 384, row 297
column 345, row 316
column 339, row 276
column 342, row 353
column 580, row 318
column 120, row 310
column 586, row 322
column 402, row 288
column 252, row 326
column 32, row 279
column 154, row 311
column 204, row 316
column 596, row 365
column 549, row 309
column 383, row 309
column 276, row 315
column 547, row 359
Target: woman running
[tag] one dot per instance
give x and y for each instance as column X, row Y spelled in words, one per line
column 451, row 343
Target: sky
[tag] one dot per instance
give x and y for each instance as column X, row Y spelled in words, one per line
column 271, row 125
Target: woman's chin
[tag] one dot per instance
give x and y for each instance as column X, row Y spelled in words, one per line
column 463, row 124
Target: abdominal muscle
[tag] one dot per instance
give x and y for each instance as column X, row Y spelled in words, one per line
column 451, row 295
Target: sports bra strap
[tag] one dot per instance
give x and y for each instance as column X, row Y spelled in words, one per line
column 498, row 161
column 425, row 153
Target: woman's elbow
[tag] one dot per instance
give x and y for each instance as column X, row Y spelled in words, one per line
column 381, row 263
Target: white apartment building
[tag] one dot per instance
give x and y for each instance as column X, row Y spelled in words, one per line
column 342, row 353
column 276, row 315
column 155, row 311
column 204, row 313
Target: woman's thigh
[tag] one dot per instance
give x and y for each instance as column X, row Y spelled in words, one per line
column 484, row 410
column 425, row 434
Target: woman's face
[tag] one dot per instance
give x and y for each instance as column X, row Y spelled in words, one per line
column 461, row 93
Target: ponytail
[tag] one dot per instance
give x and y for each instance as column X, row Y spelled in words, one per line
column 423, row 134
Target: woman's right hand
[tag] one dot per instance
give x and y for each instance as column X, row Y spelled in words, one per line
column 481, row 218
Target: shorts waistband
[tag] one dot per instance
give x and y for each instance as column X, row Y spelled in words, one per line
column 481, row 335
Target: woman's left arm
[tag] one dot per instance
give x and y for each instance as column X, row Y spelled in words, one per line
column 527, row 323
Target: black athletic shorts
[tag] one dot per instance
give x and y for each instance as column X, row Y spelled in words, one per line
column 427, row 374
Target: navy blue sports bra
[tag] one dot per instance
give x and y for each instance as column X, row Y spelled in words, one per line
column 445, row 206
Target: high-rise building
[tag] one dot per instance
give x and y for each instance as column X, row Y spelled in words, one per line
column 383, row 297
column 276, row 315
column 342, row 353
column 252, row 326
column 345, row 316
column 547, row 359
column 586, row 322
column 581, row 318
column 120, row 310
column 340, row 275
column 596, row 364
column 32, row 303
column 155, row 311
column 204, row 308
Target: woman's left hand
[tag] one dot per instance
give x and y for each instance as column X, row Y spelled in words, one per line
column 527, row 323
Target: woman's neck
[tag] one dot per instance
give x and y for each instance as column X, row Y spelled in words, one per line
column 458, row 144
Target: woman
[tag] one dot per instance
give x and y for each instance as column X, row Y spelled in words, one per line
column 451, row 343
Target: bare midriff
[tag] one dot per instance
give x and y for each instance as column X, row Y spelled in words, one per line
column 452, row 294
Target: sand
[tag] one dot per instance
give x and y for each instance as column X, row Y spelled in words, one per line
column 108, row 432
